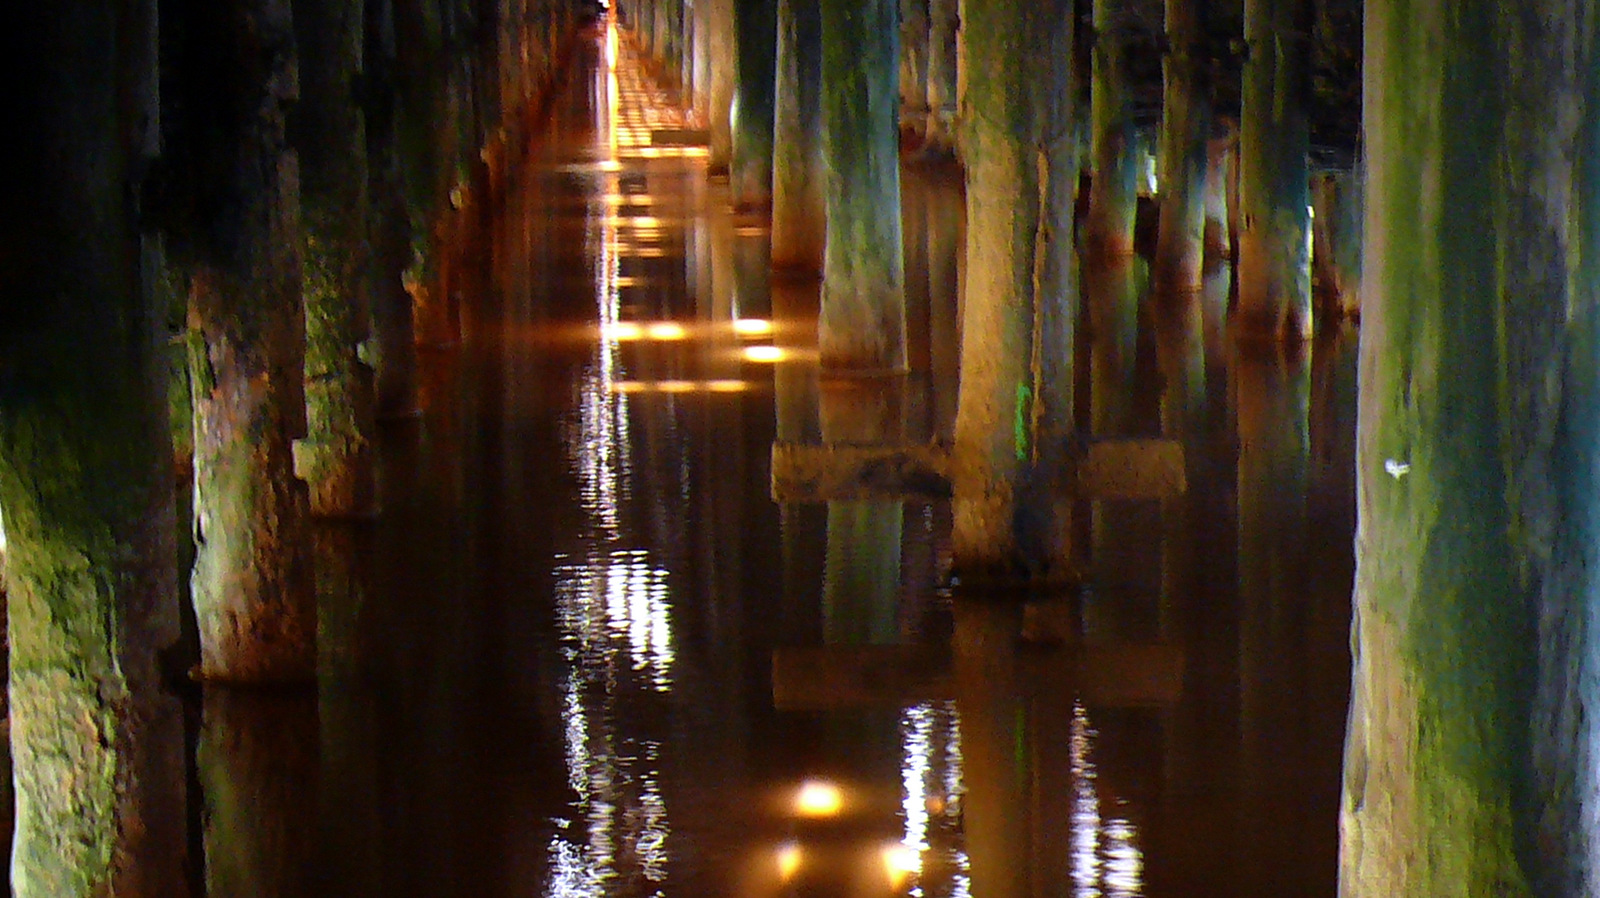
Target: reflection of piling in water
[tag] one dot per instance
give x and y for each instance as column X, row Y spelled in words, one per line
column 348, row 844
column 1274, row 603
column 257, row 762
column 862, row 580
column 993, row 721
column 1121, row 560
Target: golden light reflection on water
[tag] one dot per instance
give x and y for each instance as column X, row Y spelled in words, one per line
column 613, row 603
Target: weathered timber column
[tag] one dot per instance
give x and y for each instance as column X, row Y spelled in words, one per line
column 861, row 327
column 86, row 467
column 1060, row 159
column 1470, row 765
column 1114, row 191
column 1274, row 266
column 395, row 387
column 251, row 584
column 913, row 79
column 701, row 64
column 336, row 456
column 1183, row 162
column 1005, row 125
column 939, row 134
column 750, row 171
column 798, row 176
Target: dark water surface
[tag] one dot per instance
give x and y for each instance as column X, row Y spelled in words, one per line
column 551, row 664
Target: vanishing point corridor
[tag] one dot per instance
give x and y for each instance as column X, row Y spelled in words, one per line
column 588, row 653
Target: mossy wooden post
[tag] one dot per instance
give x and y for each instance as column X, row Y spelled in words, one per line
column 336, row 456
column 1060, row 159
column 86, row 468
column 913, row 79
column 1114, row 191
column 938, row 135
column 798, row 176
column 1274, row 265
column 994, row 420
column 251, row 584
column 1470, row 762
column 1183, row 159
column 862, row 326
column 750, row 171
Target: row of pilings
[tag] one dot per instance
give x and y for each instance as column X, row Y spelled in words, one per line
column 811, row 109
column 218, row 259
column 1471, row 744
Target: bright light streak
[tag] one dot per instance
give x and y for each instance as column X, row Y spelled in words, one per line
column 818, row 799
column 752, row 327
column 901, row 862
column 764, row 354
column 789, row 858
column 666, row 330
column 622, row 331
column 681, row 386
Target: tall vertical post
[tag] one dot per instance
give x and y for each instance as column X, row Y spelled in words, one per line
column 1114, row 192
column 798, row 176
column 938, row 135
column 861, row 326
column 750, row 171
column 913, row 80
column 336, row 456
column 86, row 467
column 1011, row 127
column 1469, row 759
column 251, row 584
column 1274, row 266
column 1183, row 160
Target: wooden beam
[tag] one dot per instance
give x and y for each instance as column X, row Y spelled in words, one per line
column 853, row 676
column 1103, row 469
column 841, row 471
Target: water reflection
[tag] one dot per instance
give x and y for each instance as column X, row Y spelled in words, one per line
column 257, row 763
